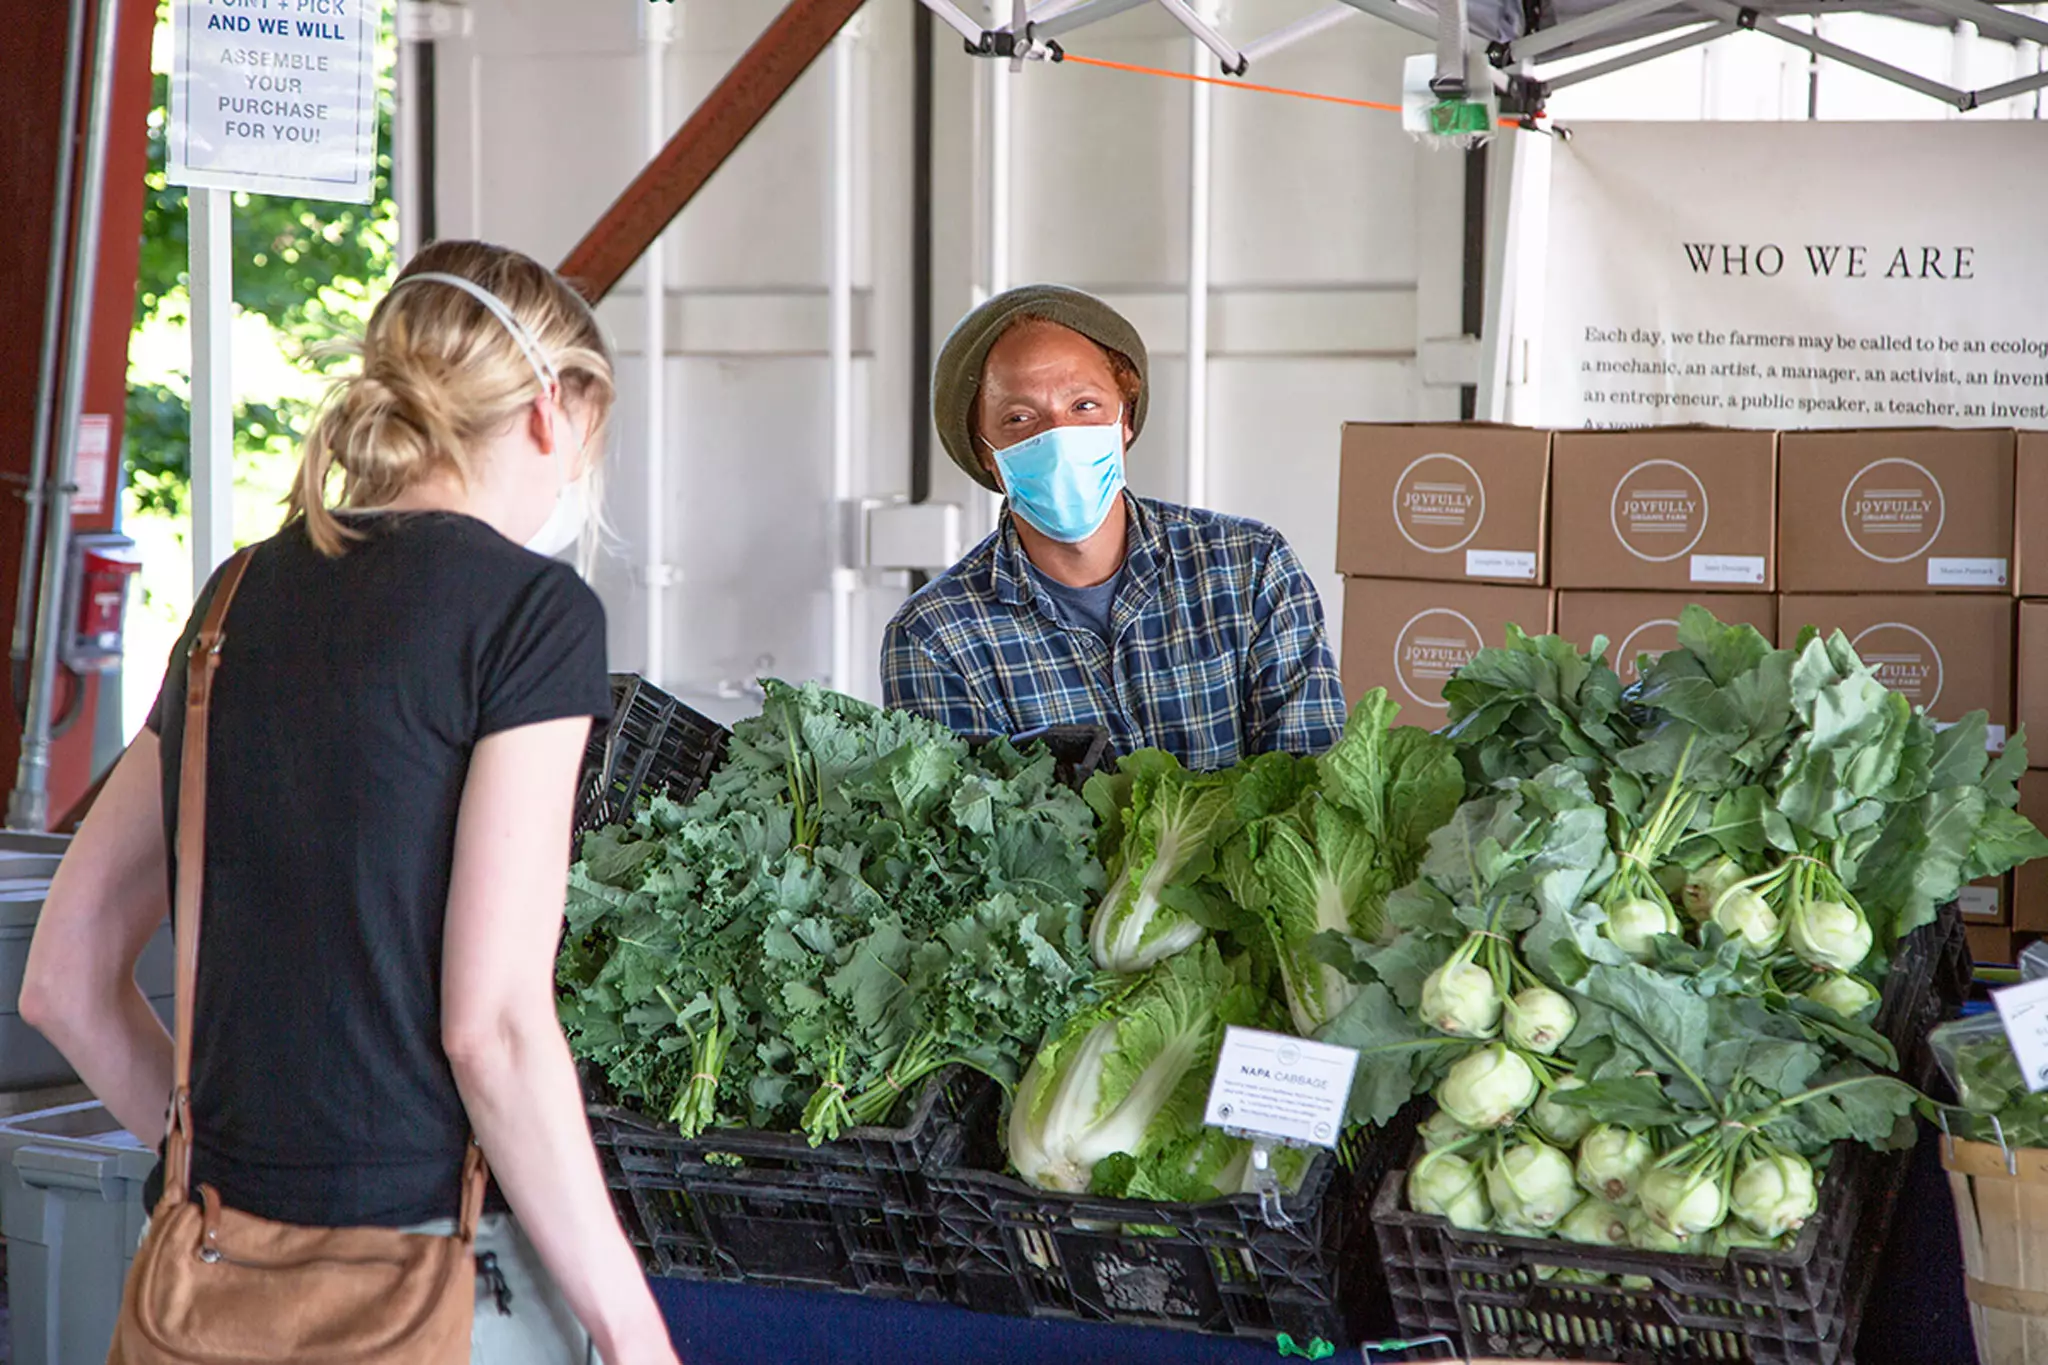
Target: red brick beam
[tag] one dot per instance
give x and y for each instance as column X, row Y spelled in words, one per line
column 761, row 78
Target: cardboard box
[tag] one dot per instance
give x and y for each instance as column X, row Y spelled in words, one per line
column 1410, row 637
column 1949, row 654
column 2031, row 704
column 1896, row 511
column 2030, row 880
column 2030, row 533
column 1447, row 503
column 1994, row 946
column 1679, row 509
column 1639, row 623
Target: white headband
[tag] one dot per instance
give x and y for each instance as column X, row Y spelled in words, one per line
column 543, row 368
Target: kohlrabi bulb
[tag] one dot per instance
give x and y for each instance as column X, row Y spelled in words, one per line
column 1458, row 998
column 1596, row 1223
column 1774, row 1194
column 1707, row 885
column 1561, row 1124
column 1846, row 995
column 1684, row 1203
column 1446, row 1185
column 1633, row 926
column 1829, row 935
column 1530, row 1184
column 1540, row 1019
column 1611, row 1160
column 1645, row 1235
column 1488, row 1089
column 1748, row 917
column 1735, row 1234
column 1441, row 1130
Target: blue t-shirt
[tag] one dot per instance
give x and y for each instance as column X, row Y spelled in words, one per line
column 1087, row 608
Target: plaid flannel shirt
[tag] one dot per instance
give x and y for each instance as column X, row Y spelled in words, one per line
column 1219, row 648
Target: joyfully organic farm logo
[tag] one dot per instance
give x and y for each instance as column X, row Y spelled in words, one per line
column 1893, row 510
column 1432, row 647
column 1439, row 502
column 1651, row 638
column 1659, row 510
column 1904, row 659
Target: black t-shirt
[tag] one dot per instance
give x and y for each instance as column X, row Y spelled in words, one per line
column 350, row 694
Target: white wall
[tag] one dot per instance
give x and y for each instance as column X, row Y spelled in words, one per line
column 1336, row 252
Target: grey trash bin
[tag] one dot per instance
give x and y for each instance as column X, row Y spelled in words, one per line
column 27, row 1061
column 71, row 1210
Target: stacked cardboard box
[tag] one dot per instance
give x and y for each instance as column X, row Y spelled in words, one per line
column 1442, row 541
column 2030, row 583
column 1912, row 542
column 1645, row 522
column 1904, row 542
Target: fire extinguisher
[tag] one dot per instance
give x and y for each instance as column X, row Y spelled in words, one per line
column 96, row 574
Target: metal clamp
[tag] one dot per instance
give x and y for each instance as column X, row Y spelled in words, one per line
column 1266, row 1185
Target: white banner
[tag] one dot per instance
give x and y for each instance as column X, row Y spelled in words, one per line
column 1797, row 275
column 275, row 96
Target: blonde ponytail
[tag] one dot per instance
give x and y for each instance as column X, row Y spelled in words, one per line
column 439, row 373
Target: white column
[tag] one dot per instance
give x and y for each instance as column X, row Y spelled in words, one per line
column 655, row 570
column 1201, row 121
column 845, row 579
column 208, row 225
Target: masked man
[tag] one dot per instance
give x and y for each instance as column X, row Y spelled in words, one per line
column 1172, row 628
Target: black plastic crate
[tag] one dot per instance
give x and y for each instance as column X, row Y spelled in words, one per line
column 1496, row 1296
column 1079, row 751
column 1216, row 1267
column 652, row 743
column 744, row 1206
column 655, row 743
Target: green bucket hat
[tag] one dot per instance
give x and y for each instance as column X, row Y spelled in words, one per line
column 956, row 378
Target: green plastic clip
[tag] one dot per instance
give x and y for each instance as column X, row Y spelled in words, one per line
column 1317, row 1349
column 1451, row 118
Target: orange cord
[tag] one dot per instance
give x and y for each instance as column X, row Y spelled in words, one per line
column 1232, row 84
column 1246, row 85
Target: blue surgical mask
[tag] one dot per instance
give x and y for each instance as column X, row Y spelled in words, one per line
column 1066, row 481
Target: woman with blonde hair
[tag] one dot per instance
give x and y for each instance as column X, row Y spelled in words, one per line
column 401, row 706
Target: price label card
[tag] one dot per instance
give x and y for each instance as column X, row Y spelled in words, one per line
column 1277, row 1086
column 2023, row 1009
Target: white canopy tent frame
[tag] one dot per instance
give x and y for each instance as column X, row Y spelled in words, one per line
column 1032, row 33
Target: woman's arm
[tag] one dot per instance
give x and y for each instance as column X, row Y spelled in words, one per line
column 109, row 897
column 505, row 1042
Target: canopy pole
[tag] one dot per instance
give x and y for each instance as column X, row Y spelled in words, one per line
column 28, row 808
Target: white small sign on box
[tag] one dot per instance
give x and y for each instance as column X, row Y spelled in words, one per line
column 1277, row 1086
column 1500, row 564
column 1965, row 573
column 2023, row 1010
column 1979, row 902
column 1748, row 569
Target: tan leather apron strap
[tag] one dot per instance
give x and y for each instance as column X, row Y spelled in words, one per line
column 475, row 1176
column 199, row 670
column 2005, row 1298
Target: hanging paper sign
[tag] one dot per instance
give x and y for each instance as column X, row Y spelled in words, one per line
column 89, row 472
column 275, row 96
